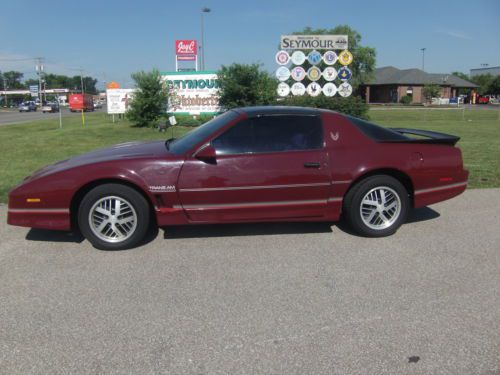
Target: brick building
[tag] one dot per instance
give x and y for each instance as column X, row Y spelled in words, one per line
column 391, row 84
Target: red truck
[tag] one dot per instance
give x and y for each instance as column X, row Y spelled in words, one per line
column 77, row 102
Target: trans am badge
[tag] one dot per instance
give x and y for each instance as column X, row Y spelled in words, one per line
column 162, row 188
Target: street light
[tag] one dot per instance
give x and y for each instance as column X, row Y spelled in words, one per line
column 202, row 46
column 423, row 58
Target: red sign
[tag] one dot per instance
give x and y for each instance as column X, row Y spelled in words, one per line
column 186, row 47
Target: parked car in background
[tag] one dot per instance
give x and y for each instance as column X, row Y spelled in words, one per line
column 27, row 107
column 50, row 107
column 97, row 105
column 246, row 165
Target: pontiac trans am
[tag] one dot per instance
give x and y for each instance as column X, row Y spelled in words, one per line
column 254, row 164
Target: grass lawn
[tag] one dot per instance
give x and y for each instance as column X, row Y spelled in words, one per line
column 29, row 146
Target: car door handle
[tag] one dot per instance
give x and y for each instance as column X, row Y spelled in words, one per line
column 312, row 165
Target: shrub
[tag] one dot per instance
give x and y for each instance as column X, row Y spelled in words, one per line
column 352, row 105
column 407, row 99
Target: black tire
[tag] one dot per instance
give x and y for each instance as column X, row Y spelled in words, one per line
column 138, row 205
column 377, row 226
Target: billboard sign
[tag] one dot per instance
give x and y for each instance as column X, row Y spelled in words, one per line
column 186, row 50
column 192, row 92
column 305, row 42
column 118, row 100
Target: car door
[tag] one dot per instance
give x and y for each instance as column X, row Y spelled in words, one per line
column 266, row 167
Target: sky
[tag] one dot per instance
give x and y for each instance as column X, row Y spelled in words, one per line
column 111, row 39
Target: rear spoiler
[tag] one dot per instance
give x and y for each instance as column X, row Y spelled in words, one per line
column 430, row 136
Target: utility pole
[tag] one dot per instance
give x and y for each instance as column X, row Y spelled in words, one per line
column 423, row 58
column 83, row 96
column 39, row 72
column 202, row 46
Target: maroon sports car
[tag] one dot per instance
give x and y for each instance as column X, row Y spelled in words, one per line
column 246, row 165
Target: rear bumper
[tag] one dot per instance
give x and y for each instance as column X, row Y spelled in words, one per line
column 57, row 219
column 425, row 197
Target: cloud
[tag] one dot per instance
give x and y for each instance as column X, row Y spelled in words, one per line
column 455, row 34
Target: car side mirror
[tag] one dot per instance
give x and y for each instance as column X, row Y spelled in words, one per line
column 206, row 154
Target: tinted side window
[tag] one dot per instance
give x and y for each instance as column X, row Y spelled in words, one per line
column 237, row 140
column 287, row 133
column 271, row 134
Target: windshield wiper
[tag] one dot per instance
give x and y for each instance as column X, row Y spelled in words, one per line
column 168, row 141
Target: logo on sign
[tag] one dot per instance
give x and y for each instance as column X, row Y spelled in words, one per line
column 298, row 73
column 345, row 57
column 283, row 73
column 298, row 89
column 330, row 73
column 344, row 73
column 313, row 89
column 314, row 57
column 282, row 57
column 185, row 47
column 329, row 89
column 330, row 57
column 298, row 58
column 314, row 73
column 345, row 89
column 283, row 89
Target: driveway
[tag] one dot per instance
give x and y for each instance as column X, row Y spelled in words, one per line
column 259, row 299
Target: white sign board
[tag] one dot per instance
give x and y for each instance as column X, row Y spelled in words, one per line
column 118, row 100
column 305, row 42
column 192, row 92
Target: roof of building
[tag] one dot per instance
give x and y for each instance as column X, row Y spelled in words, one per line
column 389, row 75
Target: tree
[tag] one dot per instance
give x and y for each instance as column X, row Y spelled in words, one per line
column 245, row 85
column 484, row 81
column 12, row 80
column 461, row 75
column 363, row 64
column 150, row 99
column 431, row 91
column 494, row 86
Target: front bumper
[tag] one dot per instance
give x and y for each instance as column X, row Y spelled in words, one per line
column 43, row 218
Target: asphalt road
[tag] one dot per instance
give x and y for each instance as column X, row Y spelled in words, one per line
column 259, row 299
column 15, row 117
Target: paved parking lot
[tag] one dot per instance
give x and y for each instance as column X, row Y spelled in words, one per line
column 259, row 299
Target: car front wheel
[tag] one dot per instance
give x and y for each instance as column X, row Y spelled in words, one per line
column 114, row 217
column 377, row 206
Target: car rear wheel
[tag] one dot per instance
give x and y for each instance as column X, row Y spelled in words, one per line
column 377, row 206
column 114, row 217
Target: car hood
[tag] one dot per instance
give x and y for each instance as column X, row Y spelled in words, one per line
column 129, row 150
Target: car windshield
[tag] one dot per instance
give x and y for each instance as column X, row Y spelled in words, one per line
column 189, row 140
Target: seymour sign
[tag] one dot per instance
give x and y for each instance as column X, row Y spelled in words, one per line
column 314, row 42
column 192, row 92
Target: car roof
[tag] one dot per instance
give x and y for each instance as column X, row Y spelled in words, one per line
column 279, row 110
